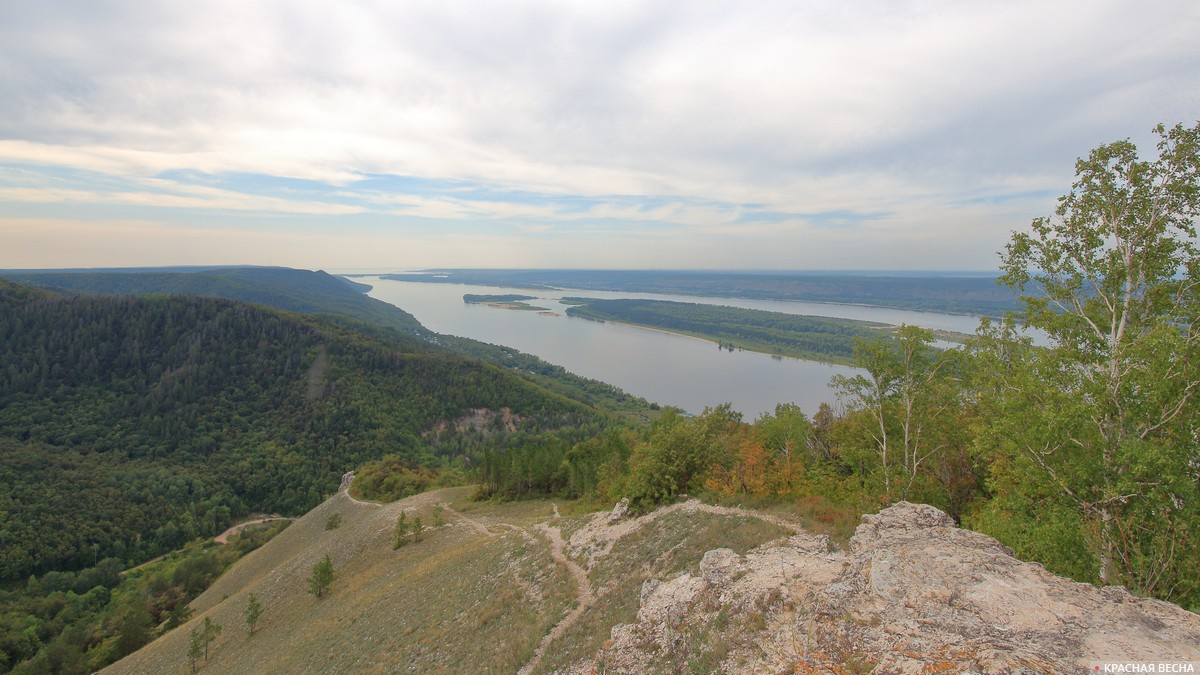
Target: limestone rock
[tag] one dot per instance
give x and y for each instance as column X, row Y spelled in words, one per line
column 619, row 510
column 914, row 594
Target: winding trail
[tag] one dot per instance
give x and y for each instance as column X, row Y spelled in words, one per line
column 597, row 538
column 223, row 538
column 344, row 488
column 586, row 596
column 594, row 540
column 479, row 527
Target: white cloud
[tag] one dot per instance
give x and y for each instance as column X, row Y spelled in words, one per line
column 904, row 111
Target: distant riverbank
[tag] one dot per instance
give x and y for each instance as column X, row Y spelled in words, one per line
column 734, row 328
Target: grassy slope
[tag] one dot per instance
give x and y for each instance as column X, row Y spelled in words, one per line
column 461, row 600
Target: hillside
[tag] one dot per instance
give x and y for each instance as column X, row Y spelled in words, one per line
column 303, row 291
column 333, row 298
column 131, row 425
column 689, row 587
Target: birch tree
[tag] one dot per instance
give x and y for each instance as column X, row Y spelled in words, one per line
column 1104, row 417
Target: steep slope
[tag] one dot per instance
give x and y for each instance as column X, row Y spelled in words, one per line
column 335, row 298
column 686, row 588
column 493, row 588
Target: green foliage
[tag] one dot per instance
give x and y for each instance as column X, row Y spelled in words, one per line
column 676, row 456
column 253, row 612
column 417, row 528
column 400, row 533
column 196, row 647
column 88, row 619
column 208, row 632
column 333, row 522
column 287, row 289
column 322, row 576
column 910, row 393
column 807, row 337
column 1102, row 422
column 391, row 478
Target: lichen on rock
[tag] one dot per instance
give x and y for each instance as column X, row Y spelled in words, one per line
column 914, row 594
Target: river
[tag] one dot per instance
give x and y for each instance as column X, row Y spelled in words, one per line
column 661, row 367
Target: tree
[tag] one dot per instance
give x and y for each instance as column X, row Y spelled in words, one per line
column 1102, row 422
column 785, row 432
column 322, row 576
column 908, row 392
column 195, row 647
column 253, row 612
column 416, row 528
column 400, row 534
column 209, row 632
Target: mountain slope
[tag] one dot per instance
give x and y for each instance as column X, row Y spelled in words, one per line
column 477, row 594
column 293, row 290
column 331, row 297
column 686, row 588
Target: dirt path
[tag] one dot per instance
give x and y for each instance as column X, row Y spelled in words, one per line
column 347, row 479
column 597, row 538
column 586, row 597
column 479, row 527
column 223, row 538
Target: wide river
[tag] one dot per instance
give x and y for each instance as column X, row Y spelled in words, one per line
column 661, row 367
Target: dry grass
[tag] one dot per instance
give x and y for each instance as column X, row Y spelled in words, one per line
column 464, row 599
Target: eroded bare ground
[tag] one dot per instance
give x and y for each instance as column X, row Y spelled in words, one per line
column 585, row 596
column 595, row 540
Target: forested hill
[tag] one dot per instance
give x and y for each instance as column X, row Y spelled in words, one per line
column 332, row 297
column 294, row 290
column 131, row 425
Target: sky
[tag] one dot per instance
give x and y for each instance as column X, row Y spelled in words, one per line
column 690, row 134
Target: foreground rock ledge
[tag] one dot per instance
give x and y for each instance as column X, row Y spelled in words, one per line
column 914, row 594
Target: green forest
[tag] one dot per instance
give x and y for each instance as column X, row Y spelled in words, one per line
column 804, row 337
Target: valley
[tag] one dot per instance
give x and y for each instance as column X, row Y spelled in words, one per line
column 168, row 417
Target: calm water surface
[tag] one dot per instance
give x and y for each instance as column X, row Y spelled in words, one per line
column 669, row 369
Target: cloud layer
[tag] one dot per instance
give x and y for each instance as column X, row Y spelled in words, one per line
column 877, row 134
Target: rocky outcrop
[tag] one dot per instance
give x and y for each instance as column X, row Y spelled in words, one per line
column 914, row 594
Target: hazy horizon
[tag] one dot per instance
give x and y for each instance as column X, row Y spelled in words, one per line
column 373, row 271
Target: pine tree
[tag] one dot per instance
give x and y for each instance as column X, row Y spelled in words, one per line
column 208, row 633
column 416, row 528
column 401, row 532
column 322, row 576
column 254, row 610
column 195, row 648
